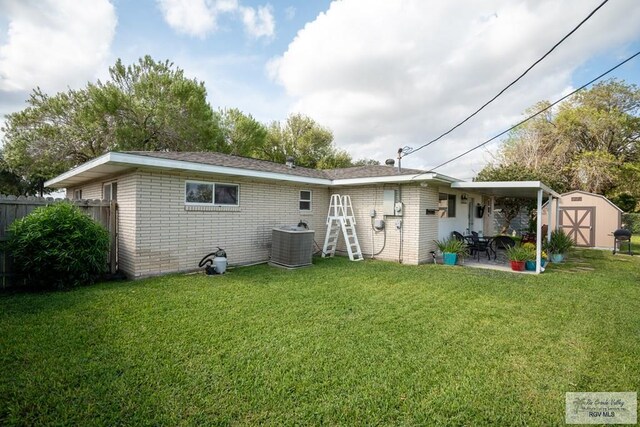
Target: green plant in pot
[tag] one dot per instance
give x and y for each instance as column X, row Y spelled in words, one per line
column 451, row 249
column 530, row 264
column 558, row 245
column 518, row 255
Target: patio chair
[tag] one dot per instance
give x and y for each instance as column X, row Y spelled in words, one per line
column 468, row 243
column 479, row 245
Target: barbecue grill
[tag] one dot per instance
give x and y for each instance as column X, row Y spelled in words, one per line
column 619, row 237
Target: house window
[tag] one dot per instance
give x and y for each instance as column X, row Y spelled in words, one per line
column 305, row 200
column 447, row 205
column 77, row 194
column 211, row 193
column 110, row 191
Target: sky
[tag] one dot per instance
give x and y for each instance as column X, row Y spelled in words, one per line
column 379, row 74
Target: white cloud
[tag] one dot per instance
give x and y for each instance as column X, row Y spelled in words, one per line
column 386, row 74
column 54, row 43
column 192, row 17
column 199, row 18
column 258, row 23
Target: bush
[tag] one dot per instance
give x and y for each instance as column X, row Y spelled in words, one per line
column 58, row 246
column 631, row 221
column 559, row 243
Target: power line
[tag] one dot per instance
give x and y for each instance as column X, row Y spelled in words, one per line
column 534, row 115
column 510, row 84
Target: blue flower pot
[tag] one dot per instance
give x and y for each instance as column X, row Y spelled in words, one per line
column 557, row 257
column 530, row 266
column 449, row 258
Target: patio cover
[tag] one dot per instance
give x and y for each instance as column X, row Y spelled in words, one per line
column 520, row 189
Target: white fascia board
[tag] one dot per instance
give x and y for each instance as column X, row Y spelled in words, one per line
column 77, row 170
column 133, row 160
column 384, row 179
column 535, row 185
column 155, row 162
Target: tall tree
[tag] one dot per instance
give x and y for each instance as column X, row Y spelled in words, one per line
column 242, row 134
column 590, row 142
column 309, row 143
column 146, row 106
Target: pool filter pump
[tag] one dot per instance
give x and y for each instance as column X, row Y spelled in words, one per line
column 215, row 262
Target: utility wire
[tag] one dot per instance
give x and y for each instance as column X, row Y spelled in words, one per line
column 533, row 115
column 510, row 84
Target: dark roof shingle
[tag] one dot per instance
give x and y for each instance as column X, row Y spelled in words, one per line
column 226, row 160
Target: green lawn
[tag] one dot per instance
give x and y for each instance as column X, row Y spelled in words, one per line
column 340, row 343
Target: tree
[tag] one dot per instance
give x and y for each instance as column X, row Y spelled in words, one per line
column 10, row 183
column 242, row 135
column 590, row 142
column 310, row 144
column 152, row 106
column 604, row 118
column 365, row 162
column 146, row 106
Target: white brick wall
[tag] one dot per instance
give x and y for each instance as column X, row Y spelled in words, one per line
column 173, row 237
column 159, row 234
column 406, row 245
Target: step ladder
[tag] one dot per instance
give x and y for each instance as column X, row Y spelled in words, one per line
column 341, row 218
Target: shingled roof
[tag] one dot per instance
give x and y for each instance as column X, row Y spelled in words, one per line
column 113, row 163
column 226, row 160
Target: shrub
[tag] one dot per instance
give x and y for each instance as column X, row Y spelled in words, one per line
column 518, row 253
column 559, row 243
column 452, row 246
column 58, row 246
column 631, row 221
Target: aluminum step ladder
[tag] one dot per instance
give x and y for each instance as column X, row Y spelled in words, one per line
column 341, row 218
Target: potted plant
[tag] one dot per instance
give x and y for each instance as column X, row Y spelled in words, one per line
column 530, row 263
column 518, row 256
column 451, row 249
column 558, row 245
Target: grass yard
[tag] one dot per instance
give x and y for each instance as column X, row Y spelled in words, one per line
column 340, row 343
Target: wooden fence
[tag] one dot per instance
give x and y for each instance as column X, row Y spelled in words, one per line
column 12, row 208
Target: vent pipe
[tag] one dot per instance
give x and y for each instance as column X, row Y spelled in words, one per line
column 290, row 162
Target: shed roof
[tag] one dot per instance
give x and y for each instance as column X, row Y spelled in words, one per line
column 593, row 195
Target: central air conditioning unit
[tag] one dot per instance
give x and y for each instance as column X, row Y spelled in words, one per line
column 292, row 246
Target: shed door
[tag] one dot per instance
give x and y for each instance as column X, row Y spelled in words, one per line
column 579, row 224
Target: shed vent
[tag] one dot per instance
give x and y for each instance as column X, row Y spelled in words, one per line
column 292, row 246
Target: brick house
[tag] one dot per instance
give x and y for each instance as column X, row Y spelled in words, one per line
column 173, row 208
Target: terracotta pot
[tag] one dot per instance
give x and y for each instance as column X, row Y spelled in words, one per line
column 517, row 265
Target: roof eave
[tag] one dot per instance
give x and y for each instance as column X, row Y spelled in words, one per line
column 155, row 162
column 133, row 160
column 488, row 185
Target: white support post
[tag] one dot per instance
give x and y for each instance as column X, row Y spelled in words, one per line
column 549, row 207
column 539, row 232
column 557, row 215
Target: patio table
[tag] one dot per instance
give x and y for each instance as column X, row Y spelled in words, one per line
column 484, row 239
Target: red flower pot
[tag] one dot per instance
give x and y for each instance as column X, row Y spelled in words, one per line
column 517, row 265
